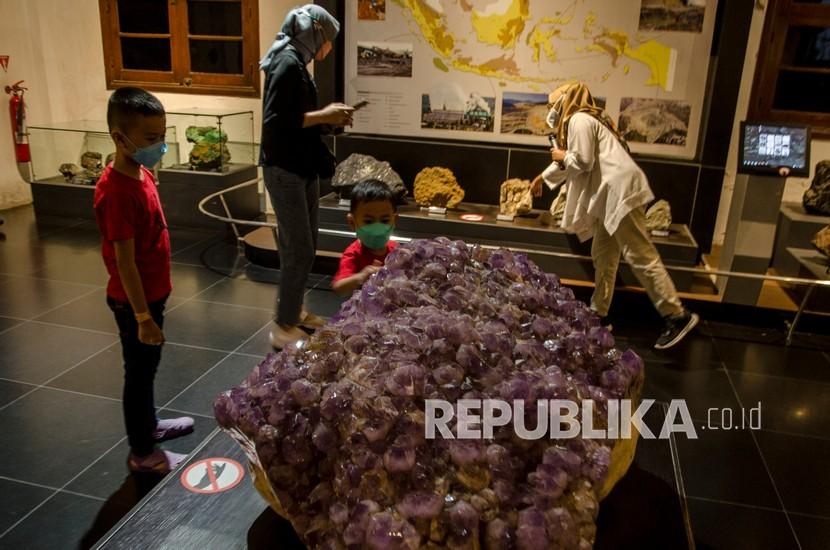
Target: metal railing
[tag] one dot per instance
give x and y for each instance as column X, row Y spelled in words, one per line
column 811, row 284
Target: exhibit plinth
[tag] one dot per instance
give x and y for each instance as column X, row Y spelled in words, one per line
column 750, row 235
column 54, row 197
column 181, row 190
column 647, row 508
column 534, row 233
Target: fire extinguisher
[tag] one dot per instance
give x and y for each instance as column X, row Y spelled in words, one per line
column 17, row 110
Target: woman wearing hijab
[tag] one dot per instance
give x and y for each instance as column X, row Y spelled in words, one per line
column 294, row 157
column 606, row 198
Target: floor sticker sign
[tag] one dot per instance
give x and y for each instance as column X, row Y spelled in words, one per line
column 212, row 475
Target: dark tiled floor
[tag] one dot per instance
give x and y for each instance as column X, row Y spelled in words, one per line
column 62, row 448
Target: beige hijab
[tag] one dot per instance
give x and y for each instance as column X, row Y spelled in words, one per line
column 576, row 98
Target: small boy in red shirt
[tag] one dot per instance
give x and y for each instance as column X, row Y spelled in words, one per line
column 373, row 215
column 135, row 245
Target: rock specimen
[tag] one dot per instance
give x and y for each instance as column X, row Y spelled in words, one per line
column 91, row 160
column 816, row 198
column 658, row 217
column 515, row 198
column 437, row 187
column 336, row 429
column 70, row 170
column 359, row 167
column 210, row 151
column 821, row 241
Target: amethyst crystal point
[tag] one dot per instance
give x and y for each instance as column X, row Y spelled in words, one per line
column 338, row 425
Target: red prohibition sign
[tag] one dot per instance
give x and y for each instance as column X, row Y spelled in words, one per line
column 212, row 475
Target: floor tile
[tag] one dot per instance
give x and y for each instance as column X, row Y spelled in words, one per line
column 61, row 522
column 725, row 465
column 7, row 322
column 747, row 527
column 227, row 374
column 91, row 312
column 217, row 254
column 9, row 391
column 242, row 292
column 791, row 362
column 799, row 468
column 695, row 352
column 787, row 405
column 86, row 267
column 261, row 274
column 189, row 280
column 84, row 233
column 701, row 389
column 184, row 238
column 214, row 326
column 260, row 344
column 64, row 433
column 324, row 303
column 18, row 500
column 28, row 297
column 107, row 475
column 104, row 374
column 21, row 259
column 34, row 352
column 812, row 533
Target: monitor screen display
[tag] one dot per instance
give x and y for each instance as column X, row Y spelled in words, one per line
column 765, row 148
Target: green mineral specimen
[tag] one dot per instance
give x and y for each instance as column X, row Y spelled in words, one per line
column 209, row 149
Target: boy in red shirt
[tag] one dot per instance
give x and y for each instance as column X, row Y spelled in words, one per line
column 372, row 217
column 135, row 245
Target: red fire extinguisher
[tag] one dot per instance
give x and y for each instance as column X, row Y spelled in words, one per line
column 17, row 110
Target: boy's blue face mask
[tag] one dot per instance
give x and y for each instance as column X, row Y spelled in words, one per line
column 148, row 156
column 374, row 235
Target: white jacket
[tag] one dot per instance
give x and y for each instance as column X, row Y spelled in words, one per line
column 604, row 182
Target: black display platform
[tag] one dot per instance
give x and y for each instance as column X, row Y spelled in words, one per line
column 533, row 234
column 647, row 508
column 55, row 197
column 182, row 190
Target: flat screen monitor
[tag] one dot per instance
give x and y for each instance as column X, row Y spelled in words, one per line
column 765, row 148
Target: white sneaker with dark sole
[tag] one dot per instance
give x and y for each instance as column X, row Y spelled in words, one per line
column 676, row 328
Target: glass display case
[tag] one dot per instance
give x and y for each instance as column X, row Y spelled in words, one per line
column 75, row 153
column 213, row 140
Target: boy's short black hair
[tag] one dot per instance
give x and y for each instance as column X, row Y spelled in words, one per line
column 126, row 103
column 372, row 190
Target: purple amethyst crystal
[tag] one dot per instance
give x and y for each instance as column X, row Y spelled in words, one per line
column 339, row 424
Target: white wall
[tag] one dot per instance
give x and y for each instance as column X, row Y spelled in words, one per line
column 820, row 148
column 56, row 47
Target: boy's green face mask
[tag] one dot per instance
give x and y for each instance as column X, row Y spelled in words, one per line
column 374, row 235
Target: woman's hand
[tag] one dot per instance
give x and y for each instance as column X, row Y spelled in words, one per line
column 558, row 155
column 337, row 114
column 536, row 186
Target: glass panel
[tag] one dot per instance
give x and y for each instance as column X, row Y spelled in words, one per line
column 807, row 47
column 216, row 56
column 803, row 91
column 148, row 16
column 215, row 17
column 145, row 54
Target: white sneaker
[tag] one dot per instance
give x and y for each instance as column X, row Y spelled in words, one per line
column 281, row 338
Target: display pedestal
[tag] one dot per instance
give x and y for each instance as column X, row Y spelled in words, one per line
column 750, row 235
column 182, row 190
column 55, row 197
column 534, row 234
column 646, row 509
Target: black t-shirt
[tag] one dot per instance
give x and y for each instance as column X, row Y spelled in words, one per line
column 289, row 94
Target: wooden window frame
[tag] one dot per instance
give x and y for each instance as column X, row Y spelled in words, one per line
column 781, row 15
column 180, row 79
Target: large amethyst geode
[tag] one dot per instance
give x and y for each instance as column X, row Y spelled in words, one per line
column 338, row 426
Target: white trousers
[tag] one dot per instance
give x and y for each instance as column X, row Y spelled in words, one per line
column 631, row 238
